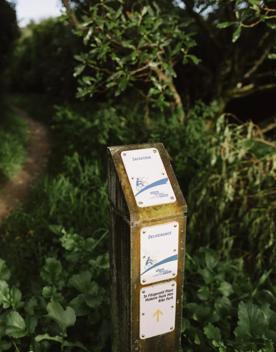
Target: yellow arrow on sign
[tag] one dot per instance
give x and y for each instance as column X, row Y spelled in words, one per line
column 157, row 314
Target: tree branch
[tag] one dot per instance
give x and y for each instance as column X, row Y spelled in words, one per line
column 169, row 82
column 201, row 23
column 269, row 128
column 71, row 14
column 249, row 89
column 258, row 62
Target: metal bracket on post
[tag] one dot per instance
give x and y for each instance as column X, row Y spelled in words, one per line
column 148, row 226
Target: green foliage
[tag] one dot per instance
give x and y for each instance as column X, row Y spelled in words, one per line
column 70, row 198
column 109, row 125
column 63, row 231
column 214, row 290
column 63, row 301
column 249, row 14
column 63, row 317
column 128, row 48
column 13, row 138
column 234, row 195
column 8, row 35
column 147, row 65
column 76, row 298
column 34, row 72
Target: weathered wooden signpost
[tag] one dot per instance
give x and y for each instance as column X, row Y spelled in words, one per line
column 148, row 214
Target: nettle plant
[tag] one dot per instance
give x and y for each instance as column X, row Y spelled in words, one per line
column 135, row 48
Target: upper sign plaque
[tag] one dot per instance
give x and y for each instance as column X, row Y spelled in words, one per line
column 148, row 178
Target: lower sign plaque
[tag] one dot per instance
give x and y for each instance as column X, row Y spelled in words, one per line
column 157, row 309
column 159, row 252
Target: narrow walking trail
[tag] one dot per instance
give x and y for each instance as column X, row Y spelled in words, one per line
column 38, row 148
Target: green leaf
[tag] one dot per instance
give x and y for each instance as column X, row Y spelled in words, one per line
column 272, row 56
column 4, row 271
column 79, row 69
column 52, row 270
column 80, row 306
column 92, row 300
column 63, row 317
column 144, row 10
column 253, row 321
column 15, row 325
column 211, row 260
column 255, row 4
column 47, row 337
column 15, row 297
column 4, row 294
column 224, row 24
column 225, row 288
column 59, row 339
column 75, row 344
column 236, row 34
column 51, row 293
column 5, row 346
column 203, row 293
column 212, row 332
column 82, row 281
column 31, row 305
column 31, row 324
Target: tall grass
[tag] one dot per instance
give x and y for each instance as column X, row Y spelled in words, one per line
column 13, row 140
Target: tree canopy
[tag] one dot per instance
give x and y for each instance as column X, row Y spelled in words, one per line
column 205, row 50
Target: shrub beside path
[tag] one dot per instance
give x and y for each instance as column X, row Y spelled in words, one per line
column 38, row 148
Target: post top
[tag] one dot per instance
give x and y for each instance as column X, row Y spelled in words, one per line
column 147, row 183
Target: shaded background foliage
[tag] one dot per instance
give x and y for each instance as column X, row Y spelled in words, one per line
column 147, row 72
column 44, row 60
column 8, row 34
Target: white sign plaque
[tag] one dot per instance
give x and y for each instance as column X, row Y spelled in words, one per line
column 147, row 176
column 159, row 252
column 157, row 309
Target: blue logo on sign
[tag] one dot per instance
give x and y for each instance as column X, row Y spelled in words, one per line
column 140, row 183
column 164, row 261
column 163, row 181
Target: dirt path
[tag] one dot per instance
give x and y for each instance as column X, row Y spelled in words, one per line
column 15, row 190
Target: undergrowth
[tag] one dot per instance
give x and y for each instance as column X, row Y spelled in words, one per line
column 56, row 297
column 13, row 139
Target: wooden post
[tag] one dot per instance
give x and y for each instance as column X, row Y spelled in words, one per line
column 147, row 245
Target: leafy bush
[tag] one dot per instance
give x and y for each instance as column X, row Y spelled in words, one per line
column 69, row 297
column 72, row 299
column 224, row 310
